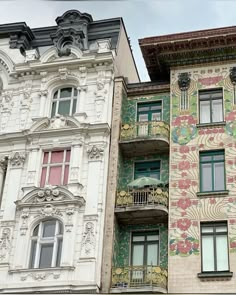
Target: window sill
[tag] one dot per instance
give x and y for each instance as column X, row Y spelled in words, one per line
column 20, row 270
column 210, row 125
column 213, row 194
column 215, row 274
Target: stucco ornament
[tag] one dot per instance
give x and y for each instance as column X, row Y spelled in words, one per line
column 184, row 81
column 17, row 159
column 89, row 240
column 5, row 244
column 95, row 152
column 57, row 122
column 6, row 104
column 48, row 194
column 50, row 210
column 24, row 225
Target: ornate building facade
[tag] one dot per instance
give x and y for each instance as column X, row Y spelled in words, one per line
column 176, row 235
column 56, row 97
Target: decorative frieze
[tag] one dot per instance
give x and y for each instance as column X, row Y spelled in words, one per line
column 40, row 276
column 17, row 159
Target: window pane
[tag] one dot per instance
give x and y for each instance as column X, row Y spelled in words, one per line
column 57, row 157
column 65, row 92
column 54, row 104
column 206, row 177
column 68, row 156
column 138, row 255
column 153, row 238
column 138, row 238
column 55, row 175
column 46, row 255
column 207, row 253
column 205, row 112
column 206, row 229
column 156, row 116
column 219, row 157
column 36, row 230
column 75, row 92
column 64, row 107
column 66, row 173
column 59, row 247
column 217, row 110
column 45, row 158
column 43, row 177
column 143, row 118
column 222, row 253
column 49, row 228
column 33, row 252
column 152, row 251
column 74, row 106
column 206, row 158
column 221, row 229
column 219, row 177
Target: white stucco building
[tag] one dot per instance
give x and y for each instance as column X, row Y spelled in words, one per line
column 56, row 96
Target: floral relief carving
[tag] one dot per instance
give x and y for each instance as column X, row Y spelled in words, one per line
column 24, row 225
column 95, row 153
column 48, row 194
column 17, row 159
column 57, row 122
column 49, row 210
column 40, row 276
column 69, row 212
column 5, row 244
column 89, row 240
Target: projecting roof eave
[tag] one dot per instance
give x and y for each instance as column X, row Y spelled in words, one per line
column 162, row 53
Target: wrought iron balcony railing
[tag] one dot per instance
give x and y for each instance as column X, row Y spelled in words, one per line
column 139, row 276
column 142, row 197
column 149, row 129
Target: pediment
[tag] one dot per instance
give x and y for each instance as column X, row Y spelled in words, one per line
column 55, row 195
column 57, row 122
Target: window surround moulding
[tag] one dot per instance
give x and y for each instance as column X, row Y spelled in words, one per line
column 25, row 270
column 210, row 125
column 214, row 194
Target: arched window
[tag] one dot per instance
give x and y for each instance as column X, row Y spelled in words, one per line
column 46, row 244
column 64, row 102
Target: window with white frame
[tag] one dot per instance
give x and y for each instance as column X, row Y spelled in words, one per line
column 46, row 244
column 64, row 102
column 55, row 167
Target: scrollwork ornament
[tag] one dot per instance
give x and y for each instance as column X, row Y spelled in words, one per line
column 48, row 194
column 89, row 240
column 95, row 153
column 17, row 159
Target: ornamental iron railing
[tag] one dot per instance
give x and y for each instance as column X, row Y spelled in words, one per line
column 142, row 197
column 139, row 276
column 147, row 129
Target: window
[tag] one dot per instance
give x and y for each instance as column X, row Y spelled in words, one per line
column 214, row 238
column 147, row 169
column 212, row 171
column 145, row 248
column 64, row 102
column 211, row 106
column 46, row 244
column 55, row 168
column 149, row 111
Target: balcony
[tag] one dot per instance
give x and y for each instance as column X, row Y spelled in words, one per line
column 139, row 279
column 143, row 205
column 143, row 138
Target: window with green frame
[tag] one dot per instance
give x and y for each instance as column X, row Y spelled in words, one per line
column 212, row 171
column 147, row 169
column 145, row 248
column 151, row 111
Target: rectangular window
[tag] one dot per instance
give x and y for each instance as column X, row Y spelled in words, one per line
column 55, row 168
column 211, row 106
column 147, row 169
column 149, row 111
column 214, row 238
column 212, row 171
column 145, row 248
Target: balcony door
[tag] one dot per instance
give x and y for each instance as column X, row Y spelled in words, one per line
column 145, row 254
column 148, row 112
column 147, row 169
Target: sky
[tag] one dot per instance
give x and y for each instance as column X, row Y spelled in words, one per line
column 142, row 18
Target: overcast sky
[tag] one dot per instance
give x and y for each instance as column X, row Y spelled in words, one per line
column 142, row 18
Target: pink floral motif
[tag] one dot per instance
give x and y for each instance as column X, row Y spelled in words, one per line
column 231, row 116
column 233, row 245
column 184, row 236
column 184, row 165
column 210, row 80
column 232, row 221
column 230, row 200
column 230, row 180
column 193, row 148
column 212, row 201
column 194, row 165
column 211, row 138
column 183, row 213
column 173, row 247
column 230, row 162
column 184, row 246
column 174, row 166
column 201, row 146
column 195, row 202
column 183, row 193
column 184, row 120
column 184, row 203
column 195, row 223
column 184, row 149
column 183, row 224
column 184, row 174
column 184, row 183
